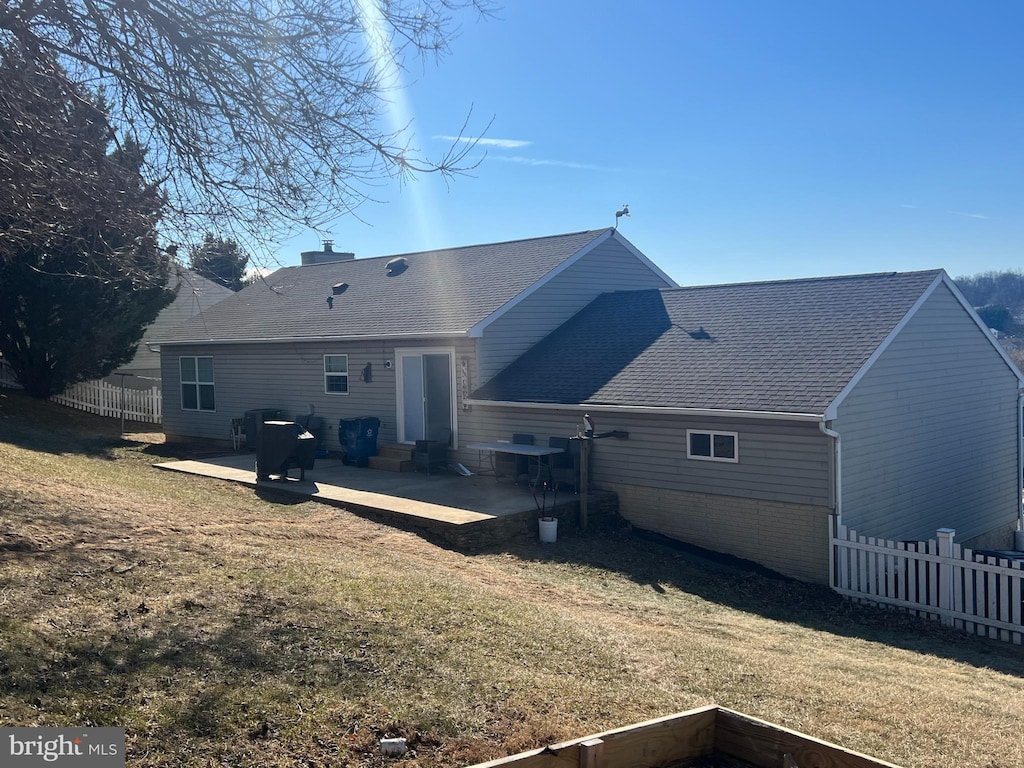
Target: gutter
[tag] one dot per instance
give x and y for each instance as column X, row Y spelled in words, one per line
column 650, row 409
column 155, row 345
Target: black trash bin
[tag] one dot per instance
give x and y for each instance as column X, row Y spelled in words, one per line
column 359, row 438
column 283, row 445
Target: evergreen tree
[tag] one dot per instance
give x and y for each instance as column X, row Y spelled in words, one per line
column 81, row 274
column 219, row 260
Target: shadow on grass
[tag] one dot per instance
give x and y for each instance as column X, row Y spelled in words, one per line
column 215, row 677
column 661, row 563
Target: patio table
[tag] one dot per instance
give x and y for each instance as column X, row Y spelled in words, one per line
column 542, row 453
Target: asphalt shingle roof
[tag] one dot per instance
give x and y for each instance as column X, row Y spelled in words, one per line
column 787, row 346
column 442, row 292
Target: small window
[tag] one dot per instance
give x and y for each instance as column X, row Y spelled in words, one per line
column 336, row 374
column 712, row 446
column 197, row 383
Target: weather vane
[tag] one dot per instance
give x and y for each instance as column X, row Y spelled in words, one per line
column 620, row 214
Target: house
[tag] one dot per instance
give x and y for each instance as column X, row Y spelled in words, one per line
column 403, row 338
column 195, row 295
column 754, row 411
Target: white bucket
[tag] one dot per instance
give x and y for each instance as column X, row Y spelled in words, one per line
column 548, row 529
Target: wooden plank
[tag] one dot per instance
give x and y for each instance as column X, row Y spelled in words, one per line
column 763, row 743
column 592, row 753
column 690, row 735
column 674, row 738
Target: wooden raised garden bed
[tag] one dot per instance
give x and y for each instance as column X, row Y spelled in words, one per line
column 709, row 737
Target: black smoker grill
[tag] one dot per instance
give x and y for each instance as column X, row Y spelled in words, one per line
column 281, row 446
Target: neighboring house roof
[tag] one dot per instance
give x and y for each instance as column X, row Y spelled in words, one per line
column 196, row 294
column 443, row 292
column 789, row 347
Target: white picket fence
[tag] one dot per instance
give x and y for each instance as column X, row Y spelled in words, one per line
column 937, row 579
column 102, row 398
column 106, row 399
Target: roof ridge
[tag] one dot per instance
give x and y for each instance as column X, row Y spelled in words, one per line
column 595, row 232
column 797, row 280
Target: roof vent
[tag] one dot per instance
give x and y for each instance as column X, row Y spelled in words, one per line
column 397, row 266
column 339, row 288
column 327, row 256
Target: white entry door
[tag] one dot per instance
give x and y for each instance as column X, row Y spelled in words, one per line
column 426, row 396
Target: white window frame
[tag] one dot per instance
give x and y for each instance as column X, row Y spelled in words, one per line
column 197, row 383
column 712, row 434
column 336, row 375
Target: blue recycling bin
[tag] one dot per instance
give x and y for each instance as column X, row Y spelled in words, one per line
column 359, row 438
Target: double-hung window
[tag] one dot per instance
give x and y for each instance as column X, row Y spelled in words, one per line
column 712, row 446
column 336, row 374
column 196, row 383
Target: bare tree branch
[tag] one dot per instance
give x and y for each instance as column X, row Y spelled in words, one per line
column 256, row 114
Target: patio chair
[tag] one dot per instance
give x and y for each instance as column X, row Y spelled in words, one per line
column 433, row 454
column 236, row 432
column 558, row 463
column 565, row 467
column 506, row 464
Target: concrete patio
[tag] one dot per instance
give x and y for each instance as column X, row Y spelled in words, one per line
column 465, row 512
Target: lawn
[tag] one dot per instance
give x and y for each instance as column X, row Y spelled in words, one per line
column 224, row 628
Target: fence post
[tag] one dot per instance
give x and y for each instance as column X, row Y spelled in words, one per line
column 945, row 537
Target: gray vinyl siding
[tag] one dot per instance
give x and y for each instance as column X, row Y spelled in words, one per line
column 779, row 460
column 609, row 267
column 289, row 377
column 929, row 434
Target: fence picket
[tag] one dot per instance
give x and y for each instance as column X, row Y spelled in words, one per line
column 937, row 579
column 105, row 399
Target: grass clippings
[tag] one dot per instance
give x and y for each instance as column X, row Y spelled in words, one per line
column 221, row 628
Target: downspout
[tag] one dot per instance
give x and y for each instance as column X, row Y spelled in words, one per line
column 1018, row 536
column 837, row 484
column 837, row 493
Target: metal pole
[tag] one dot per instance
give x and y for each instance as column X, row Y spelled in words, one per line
column 122, row 375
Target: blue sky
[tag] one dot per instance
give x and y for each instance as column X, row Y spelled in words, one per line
column 752, row 140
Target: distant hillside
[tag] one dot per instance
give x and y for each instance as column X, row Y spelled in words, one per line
column 998, row 297
column 995, row 289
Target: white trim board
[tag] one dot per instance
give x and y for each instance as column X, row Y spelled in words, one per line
column 477, row 330
column 832, row 411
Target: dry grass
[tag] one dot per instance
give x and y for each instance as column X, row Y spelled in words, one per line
column 219, row 627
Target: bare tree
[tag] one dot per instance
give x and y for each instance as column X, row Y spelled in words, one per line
column 259, row 114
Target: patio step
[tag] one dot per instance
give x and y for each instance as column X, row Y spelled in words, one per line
column 394, row 458
column 390, row 464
